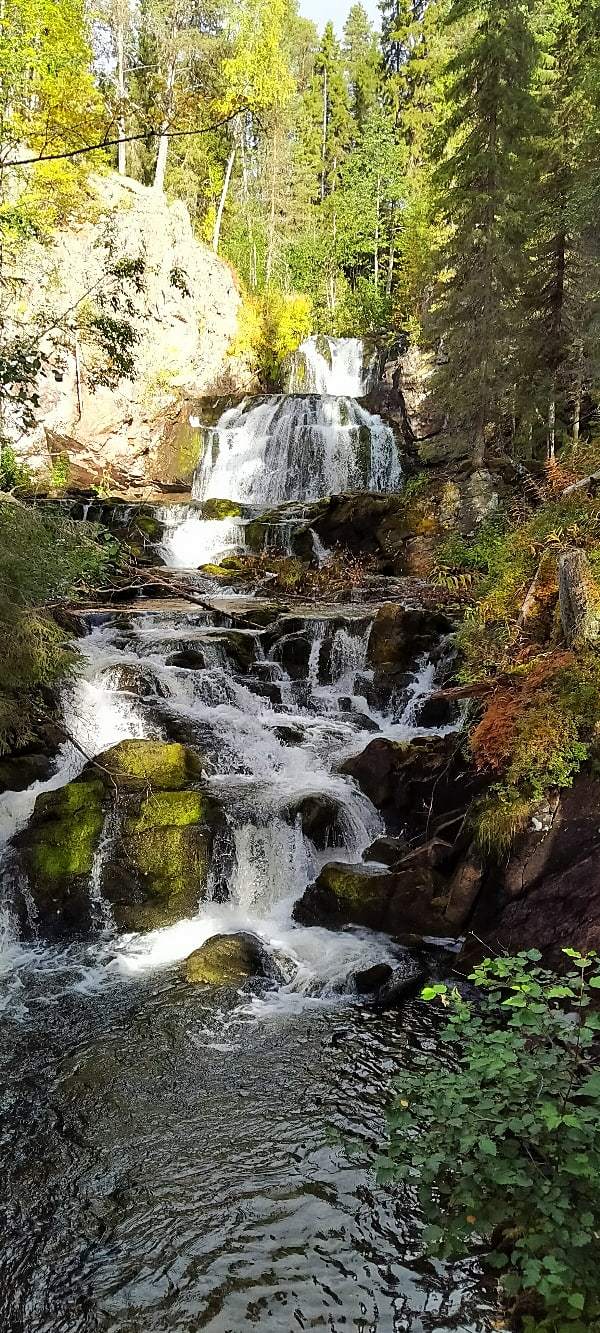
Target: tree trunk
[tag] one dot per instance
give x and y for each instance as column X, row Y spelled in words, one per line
column 578, row 395
column 551, row 436
column 377, row 206
column 121, row 161
column 163, row 142
column 271, row 226
column 324, row 143
column 224, row 192
column 579, row 614
column 390, row 264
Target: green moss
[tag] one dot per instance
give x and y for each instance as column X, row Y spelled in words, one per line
column 255, row 533
column 176, row 809
column 159, row 765
column 65, row 840
column 221, row 509
column 359, row 893
column 220, row 572
column 223, row 960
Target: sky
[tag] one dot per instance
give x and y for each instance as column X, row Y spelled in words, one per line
column 336, row 10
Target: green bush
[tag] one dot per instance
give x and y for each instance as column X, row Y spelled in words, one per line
column 501, row 1136
column 43, row 558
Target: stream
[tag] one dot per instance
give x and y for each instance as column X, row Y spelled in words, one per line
column 179, row 1157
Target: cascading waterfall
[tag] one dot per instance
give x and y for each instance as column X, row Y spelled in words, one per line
column 269, row 450
column 328, row 366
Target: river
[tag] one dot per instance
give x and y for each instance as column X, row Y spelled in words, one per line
column 180, row 1157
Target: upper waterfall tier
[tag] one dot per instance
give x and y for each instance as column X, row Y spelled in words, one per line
column 296, row 448
column 329, row 366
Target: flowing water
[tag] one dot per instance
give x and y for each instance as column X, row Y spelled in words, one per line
column 179, row 1158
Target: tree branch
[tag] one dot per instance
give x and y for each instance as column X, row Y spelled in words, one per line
column 128, row 138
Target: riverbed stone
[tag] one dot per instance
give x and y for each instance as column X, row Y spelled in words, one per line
column 228, row 960
column 413, row 784
column 57, row 852
column 409, row 898
column 400, row 634
column 319, row 814
column 157, row 765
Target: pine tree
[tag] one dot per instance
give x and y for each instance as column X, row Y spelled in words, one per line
column 331, row 110
column 491, row 114
column 363, row 64
column 560, row 312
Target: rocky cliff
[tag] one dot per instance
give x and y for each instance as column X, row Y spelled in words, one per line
column 132, row 315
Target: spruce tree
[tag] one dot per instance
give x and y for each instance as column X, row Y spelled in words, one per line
column 560, row 307
column 363, row 64
column 491, row 112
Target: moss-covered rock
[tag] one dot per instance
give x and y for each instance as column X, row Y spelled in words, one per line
column 158, row 765
column 221, row 509
column 158, row 876
column 227, row 960
column 410, row 898
column 57, row 852
column 156, row 858
column 176, row 809
column 400, row 634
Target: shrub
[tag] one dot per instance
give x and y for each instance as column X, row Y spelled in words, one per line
column 270, row 327
column 42, row 557
column 501, row 1136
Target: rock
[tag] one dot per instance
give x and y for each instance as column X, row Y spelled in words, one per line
column 289, row 735
column 293, row 652
column 386, row 851
column 159, row 829
column 157, row 765
column 16, row 774
column 413, row 784
column 134, row 680
column 436, row 713
column 463, row 889
column 320, row 818
column 364, row 895
column 189, row 659
column 240, row 646
column 184, row 317
column 371, row 980
column 399, row 988
column 547, row 896
column 57, row 852
column 399, row 634
column 227, row 960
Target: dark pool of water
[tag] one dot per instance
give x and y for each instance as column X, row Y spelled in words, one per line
column 170, row 1167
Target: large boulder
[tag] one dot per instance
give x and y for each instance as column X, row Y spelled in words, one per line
column 414, row 784
column 547, row 894
column 136, row 257
column 408, row 899
column 228, row 960
column 157, row 765
column 400, row 634
column 138, row 824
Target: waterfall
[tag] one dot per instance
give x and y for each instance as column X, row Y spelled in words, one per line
column 287, row 447
column 328, row 366
column 189, row 540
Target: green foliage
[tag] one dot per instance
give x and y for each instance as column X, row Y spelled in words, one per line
column 269, row 329
column 501, row 1139
column 43, row 557
column 14, row 476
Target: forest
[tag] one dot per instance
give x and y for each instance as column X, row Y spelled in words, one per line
column 440, row 178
